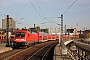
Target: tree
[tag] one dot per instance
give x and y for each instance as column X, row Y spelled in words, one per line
column 47, row 30
column 17, row 28
column 29, row 29
column 38, row 28
column 88, row 35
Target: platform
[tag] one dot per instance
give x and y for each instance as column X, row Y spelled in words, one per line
column 57, row 54
column 3, row 48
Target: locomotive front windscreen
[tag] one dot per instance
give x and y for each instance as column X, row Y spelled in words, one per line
column 20, row 34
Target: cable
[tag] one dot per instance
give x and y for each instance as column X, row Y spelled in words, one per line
column 2, row 14
column 40, row 8
column 36, row 10
column 70, row 7
column 51, row 21
column 8, row 10
column 44, row 16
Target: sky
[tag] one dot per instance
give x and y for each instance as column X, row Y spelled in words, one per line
column 35, row 12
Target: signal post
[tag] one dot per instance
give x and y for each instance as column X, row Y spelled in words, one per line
column 8, row 40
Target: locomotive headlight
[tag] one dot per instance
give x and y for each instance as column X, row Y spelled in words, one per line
column 17, row 39
column 23, row 40
column 20, row 40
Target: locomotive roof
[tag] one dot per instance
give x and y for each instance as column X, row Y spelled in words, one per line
column 22, row 31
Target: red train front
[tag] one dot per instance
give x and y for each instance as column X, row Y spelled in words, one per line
column 24, row 38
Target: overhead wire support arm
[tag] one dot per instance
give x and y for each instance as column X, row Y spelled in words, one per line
column 19, row 19
column 51, row 21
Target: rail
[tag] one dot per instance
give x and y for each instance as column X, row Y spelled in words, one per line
column 42, row 53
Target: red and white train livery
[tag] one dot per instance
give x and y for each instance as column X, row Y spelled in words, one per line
column 24, row 38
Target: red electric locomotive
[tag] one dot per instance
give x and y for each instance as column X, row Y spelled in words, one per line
column 25, row 38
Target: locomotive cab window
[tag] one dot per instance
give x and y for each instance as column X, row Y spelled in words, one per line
column 20, row 34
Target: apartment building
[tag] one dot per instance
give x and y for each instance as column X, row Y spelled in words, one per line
column 12, row 23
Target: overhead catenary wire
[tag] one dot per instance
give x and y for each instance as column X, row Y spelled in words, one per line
column 64, row 12
column 70, row 6
column 8, row 10
column 40, row 8
column 36, row 9
column 44, row 15
column 51, row 21
column 2, row 14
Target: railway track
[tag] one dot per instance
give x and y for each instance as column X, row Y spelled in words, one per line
column 8, row 54
column 25, row 54
column 42, row 53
